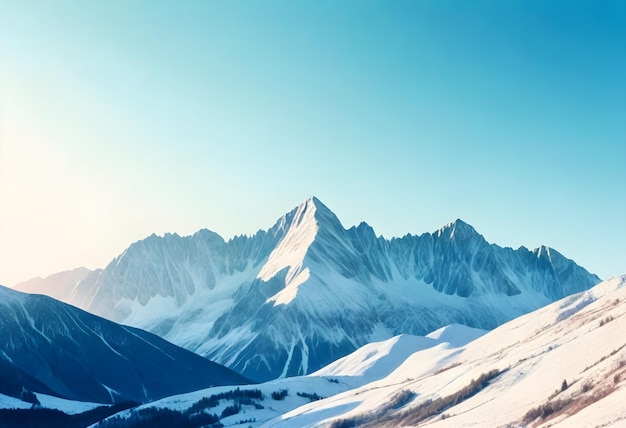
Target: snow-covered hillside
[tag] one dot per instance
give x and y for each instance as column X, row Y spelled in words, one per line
column 258, row 404
column 562, row 365
column 289, row 300
column 378, row 359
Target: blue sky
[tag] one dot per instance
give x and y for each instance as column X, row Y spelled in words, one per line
column 119, row 119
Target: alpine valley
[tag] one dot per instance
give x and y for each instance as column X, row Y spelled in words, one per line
column 289, row 300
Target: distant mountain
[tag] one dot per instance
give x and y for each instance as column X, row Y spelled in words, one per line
column 59, row 286
column 53, row 348
column 296, row 297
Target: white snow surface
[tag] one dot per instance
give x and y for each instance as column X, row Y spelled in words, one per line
column 377, row 360
column 70, row 407
column 7, row 402
column 535, row 353
column 291, row 251
column 272, row 408
column 456, row 334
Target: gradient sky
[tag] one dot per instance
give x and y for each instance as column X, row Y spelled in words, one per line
column 123, row 118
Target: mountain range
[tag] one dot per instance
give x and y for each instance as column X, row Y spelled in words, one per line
column 307, row 291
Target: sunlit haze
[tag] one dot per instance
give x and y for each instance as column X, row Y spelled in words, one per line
column 121, row 119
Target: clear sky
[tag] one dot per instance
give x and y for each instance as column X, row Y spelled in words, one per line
column 123, row 118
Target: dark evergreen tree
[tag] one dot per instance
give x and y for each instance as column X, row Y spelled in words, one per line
column 29, row 397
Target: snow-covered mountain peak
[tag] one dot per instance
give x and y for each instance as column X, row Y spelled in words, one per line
column 300, row 229
column 208, row 236
column 546, row 252
column 310, row 211
column 458, row 230
column 364, row 230
column 321, row 213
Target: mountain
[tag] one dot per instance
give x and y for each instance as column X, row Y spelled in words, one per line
column 289, row 300
column 53, row 348
column 58, row 286
column 563, row 365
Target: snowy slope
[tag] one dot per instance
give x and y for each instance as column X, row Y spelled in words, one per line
column 566, row 362
column 367, row 364
column 378, row 359
column 8, row 402
column 260, row 409
column 289, row 300
column 53, row 348
column 69, row 407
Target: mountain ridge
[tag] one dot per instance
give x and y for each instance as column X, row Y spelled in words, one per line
column 306, row 291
